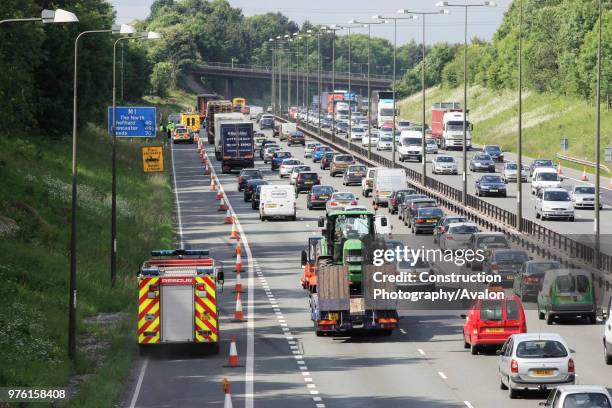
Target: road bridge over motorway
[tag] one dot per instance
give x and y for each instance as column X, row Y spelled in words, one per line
column 229, row 72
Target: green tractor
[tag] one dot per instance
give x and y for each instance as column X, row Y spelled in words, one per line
column 348, row 240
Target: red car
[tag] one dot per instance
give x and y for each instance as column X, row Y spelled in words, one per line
column 491, row 322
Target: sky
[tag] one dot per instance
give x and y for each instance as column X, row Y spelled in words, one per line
column 482, row 21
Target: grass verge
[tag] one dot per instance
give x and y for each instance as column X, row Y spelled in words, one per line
column 34, row 260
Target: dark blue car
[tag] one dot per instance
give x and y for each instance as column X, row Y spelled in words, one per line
column 495, row 152
column 319, row 152
column 278, row 158
column 247, row 174
column 490, row 185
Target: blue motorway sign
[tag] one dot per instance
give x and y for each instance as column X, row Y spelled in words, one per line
column 133, row 121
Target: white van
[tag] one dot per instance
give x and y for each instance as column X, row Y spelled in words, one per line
column 277, row 201
column 286, row 129
column 386, row 181
column 382, row 226
column 544, row 177
column 410, row 145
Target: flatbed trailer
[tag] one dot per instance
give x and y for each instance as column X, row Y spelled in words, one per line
column 177, row 300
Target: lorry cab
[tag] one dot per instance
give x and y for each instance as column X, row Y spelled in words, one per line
column 277, row 201
column 453, row 131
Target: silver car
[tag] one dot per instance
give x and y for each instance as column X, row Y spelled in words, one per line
column 584, row 197
column 340, row 200
column 510, row 172
column 385, row 142
column 444, row 164
column 534, row 361
column 583, row 396
column 309, row 148
column 269, row 152
column 457, row 235
column 418, row 270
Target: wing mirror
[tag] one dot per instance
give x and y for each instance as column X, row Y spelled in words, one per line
column 321, row 222
column 498, row 352
column 463, row 316
column 304, row 258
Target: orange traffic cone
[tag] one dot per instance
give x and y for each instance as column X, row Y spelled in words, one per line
column 233, row 355
column 238, row 249
column 559, row 169
column 584, row 175
column 238, row 315
column 212, row 183
column 219, row 194
column 222, row 206
column 228, row 396
column 228, row 217
column 238, row 266
column 238, row 284
column 206, row 169
column 234, row 233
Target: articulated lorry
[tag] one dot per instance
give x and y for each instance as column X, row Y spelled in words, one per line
column 447, row 125
column 177, row 300
column 213, row 108
column 339, row 276
column 382, row 108
column 201, row 102
column 234, row 142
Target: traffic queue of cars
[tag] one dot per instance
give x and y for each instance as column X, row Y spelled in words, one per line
column 526, row 361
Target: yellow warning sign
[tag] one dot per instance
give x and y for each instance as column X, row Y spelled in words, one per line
column 152, row 158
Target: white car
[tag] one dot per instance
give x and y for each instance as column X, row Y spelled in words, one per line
column 554, row 203
column 532, row 361
column 544, row 177
column 309, row 148
column 444, row 164
column 297, row 170
column 431, row 147
column 579, row 396
column 357, row 133
column 287, row 166
column 385, row 142
column 457, row 235
column 403, row 125
column 584, row 197
column 369, row 140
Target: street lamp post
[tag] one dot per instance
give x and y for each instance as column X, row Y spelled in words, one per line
column 519, row 150
column 369, row 26
column 73, row 224
column 333, row 28
column 596, row 221
column 149, row 36
column 423, row 15
column 466, row 7
column 379, row 17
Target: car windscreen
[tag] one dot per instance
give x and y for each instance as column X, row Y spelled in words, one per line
column 541, row 349
column 430, row 213
column 421, row 204
column 412, row 141
column 445, row 159
column 511, row 256
column 491, row 310
column 556, row 196
column 291, row 162
column 491, row 179
column 586, row 400
column 455, row 126
column 344, row 196
column 512, row 310
column 511, row 166
column 492, row 241
column 358, row 169
column 298, row 169
column 322, row 190
column 344, row 158
column 482, row 157
column 358, row 129
column 282, row 154
column 584, row 190
column 419, row 263
column 547, row 176
column 541, row 267
column 492, row 149
column 463, row 229
column 386, row 112
column 543, row 163
column 181, row 131
column 308, row 176
column 386, row 139
column 572, row 283
column 257, row 182
column 251, row 173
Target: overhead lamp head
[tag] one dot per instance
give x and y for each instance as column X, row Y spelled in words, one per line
column 352, row 22
column 445, row 11
column 123, row 29
column 152, row 35
column 58, row 16
column 490, row 3
column 377, row 17
column 403, row 11
column 442, row 4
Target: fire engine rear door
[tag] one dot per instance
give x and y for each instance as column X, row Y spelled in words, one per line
column 177, row 313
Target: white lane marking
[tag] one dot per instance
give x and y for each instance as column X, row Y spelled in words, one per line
column 250, row 358
column 143, row 368
column 403, row 331
column 421, row 352
column 467, row 404
column 176, row 198
column 442, row 375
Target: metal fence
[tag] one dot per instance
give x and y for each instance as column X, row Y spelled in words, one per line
column 532, row 236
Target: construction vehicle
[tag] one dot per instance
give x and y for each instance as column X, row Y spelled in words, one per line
column 212, row 108
column 201, row 102
column 177, row 299
column 339, row 276
column 238, row 103
column 191, row 120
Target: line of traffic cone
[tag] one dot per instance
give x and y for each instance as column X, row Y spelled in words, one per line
column 206, row 169
column 228, row 396
column 238, row 314
column 234, row 233
column 212, row 184
column 584, row 176
column 233, row 354
column 229, row 219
